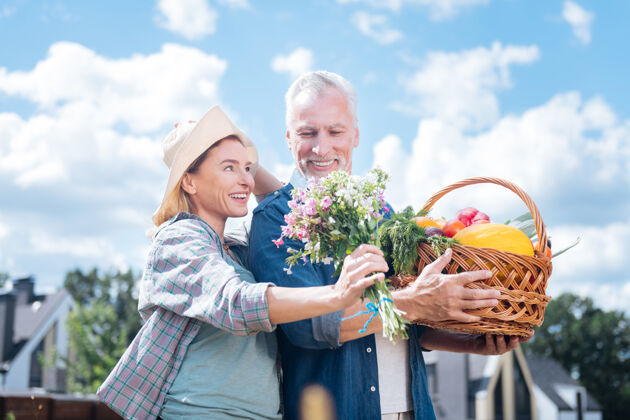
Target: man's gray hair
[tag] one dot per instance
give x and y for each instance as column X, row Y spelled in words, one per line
column 315, row 82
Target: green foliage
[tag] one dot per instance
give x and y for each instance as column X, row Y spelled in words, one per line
column 593, row 345
column 101, row 326
column 4, row 276
column 398, row 238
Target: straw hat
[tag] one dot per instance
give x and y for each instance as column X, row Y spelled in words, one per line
column 188, row 141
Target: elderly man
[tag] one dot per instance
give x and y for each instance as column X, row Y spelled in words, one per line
column 367, row 376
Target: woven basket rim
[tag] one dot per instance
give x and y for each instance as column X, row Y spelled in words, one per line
column 541, row 230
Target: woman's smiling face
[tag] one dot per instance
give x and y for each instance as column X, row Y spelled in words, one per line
column 221, row 185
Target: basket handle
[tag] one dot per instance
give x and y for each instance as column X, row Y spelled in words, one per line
column 540, row 226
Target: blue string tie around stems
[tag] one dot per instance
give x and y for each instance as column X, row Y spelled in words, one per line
column 371, row 308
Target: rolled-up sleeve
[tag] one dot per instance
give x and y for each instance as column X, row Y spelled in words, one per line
column 267, row 263
column 188, row 275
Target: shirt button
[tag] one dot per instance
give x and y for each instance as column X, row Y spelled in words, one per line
column 369, row 349
column 372, row 388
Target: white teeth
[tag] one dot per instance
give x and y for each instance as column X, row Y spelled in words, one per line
column 322, row 163
column 238, row 195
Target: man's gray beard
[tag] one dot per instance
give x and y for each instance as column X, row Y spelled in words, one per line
column 342, row 166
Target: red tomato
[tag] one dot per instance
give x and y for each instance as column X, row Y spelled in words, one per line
column 452, row 227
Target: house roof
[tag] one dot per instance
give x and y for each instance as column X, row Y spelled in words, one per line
column 547, row 373
column 29, row 317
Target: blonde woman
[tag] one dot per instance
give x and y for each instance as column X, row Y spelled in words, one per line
column 198, row 354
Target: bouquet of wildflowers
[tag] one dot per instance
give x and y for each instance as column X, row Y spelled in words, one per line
column 332, row 217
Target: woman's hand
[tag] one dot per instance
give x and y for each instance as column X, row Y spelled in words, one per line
column 356, row 273
column 290, row 304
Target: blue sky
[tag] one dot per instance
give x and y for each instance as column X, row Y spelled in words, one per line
column 531, row 91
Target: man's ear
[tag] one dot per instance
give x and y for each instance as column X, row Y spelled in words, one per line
column 188, row 184
column 356, row 137
column 288, row 136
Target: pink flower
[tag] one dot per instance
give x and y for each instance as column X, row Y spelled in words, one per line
column 278, row 242
column 290, row 218
column 292, row 204
column 311, row 207
column 287, row 231
column 326, row 203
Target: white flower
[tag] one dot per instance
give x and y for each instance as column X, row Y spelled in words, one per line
column 327, row 260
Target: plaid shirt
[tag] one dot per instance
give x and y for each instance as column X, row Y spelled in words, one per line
column 186, row 282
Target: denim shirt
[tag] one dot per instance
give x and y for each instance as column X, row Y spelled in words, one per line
column 310, row 349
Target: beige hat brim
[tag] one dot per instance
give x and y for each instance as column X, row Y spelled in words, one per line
column 211, row 128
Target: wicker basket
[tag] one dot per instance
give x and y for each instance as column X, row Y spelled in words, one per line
column 521, row 279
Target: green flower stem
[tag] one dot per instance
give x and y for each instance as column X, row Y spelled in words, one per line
column 394, row 325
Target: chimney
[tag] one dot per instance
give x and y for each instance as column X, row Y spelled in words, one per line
column 24, row 289
column 7, row 319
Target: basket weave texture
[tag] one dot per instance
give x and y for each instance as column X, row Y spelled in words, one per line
column 521, row 279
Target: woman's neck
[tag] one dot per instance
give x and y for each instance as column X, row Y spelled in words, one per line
column 216, row 222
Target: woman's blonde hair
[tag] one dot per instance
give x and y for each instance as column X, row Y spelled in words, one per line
column 179, row 200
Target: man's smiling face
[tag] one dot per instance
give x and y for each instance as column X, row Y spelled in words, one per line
column 322, row 133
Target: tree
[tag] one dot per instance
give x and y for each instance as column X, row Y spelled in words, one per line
column 4, row 276
column 593, row 345
column 101, row 326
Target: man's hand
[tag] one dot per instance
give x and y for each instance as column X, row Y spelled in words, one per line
column 434, row 296
column 434, row 339
column 497, row 344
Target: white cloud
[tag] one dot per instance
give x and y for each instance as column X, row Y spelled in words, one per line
column 192, row 19
column 607, row 296
column 42, row 243
column 297, row 62
column 45, row 173
column 438, row 9
column 78, row 247
column 580, row 21
column 143, row 92
column 4, row 231
column 376, row 27
column 544, row 151
column 601, row 249
column 86, row 105
column 283, row 172
column 460, row 87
